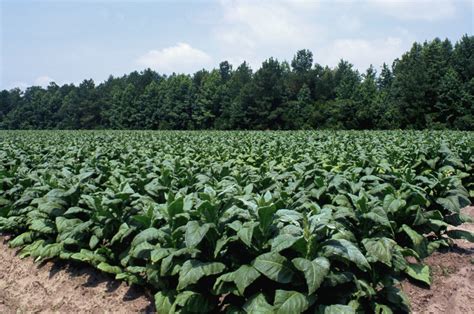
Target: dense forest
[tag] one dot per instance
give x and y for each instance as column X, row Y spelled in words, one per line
column 430, row 86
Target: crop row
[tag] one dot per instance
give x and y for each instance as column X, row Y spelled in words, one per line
column 239, row 222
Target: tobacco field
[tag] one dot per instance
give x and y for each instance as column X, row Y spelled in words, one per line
column 242, row 222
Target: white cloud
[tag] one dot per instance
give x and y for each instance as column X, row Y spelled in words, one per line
column 277, row 23
column 256, row 30
column 179, row 58
column 349, row 23
column 304, row 4
column 42, row 81
column 363, row 52
column 428, row 10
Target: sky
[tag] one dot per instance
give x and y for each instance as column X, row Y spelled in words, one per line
column 69, row 41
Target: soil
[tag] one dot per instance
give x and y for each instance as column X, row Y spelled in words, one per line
column 452, row 279
column 65, row 287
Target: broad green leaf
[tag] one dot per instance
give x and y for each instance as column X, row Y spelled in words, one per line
column 283, row 241
column 22, row 239
column 289, row 215
column 145, row 220
column 45, row 226
column 166, row 263
column 274, row 266
column 154, row 187
column 195, row 233
column 88, row 256
column 221, row 243
column 208, row 211
column 379, row 250
column 419, row 272
column 64, row 224
column 51, row 250
column 51, row 208
column 378, row 216
column 142, row 250
column 28, row 250
column 241, row 278
column 123, row 232
column 193, row 270
column 176, row 207
column 76, row 232
column 245, row 233
column 437, row 225
column 435, row 245
column 93, row 242
column 105, row 267
column 136, row 269
column 244, row 276
column 288, row 302
column 345, row 250
column 392, row 204
column 225, row 284
column 84, row 176
column 129, row 278
column 461, row 234
column 453, row 203
column 163, row 302
column 321, row 220
column 336, row 309
column 158, row 254
column 265, row 215
column 418, row 241
column 8, row 224
column 248, row 189
column 314, row 271
column 65, row 255
column 148, row 235
column 398, row 299
column 258, row 304
column 127, row 190
column 191, row 302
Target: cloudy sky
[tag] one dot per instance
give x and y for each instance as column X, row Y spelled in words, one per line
column 68, row 41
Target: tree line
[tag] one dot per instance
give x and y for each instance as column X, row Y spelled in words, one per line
column 429, row 86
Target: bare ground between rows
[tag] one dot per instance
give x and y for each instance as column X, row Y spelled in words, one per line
column 65, row 287
column 452, row 285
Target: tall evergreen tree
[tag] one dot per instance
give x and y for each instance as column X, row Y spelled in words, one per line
column 430, row 86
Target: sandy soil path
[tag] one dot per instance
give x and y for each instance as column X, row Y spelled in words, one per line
column 26, row 287
column 452, row 289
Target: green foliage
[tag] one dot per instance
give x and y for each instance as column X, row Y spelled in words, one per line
column 314, row 271
column 262, row 222
column 429, row 87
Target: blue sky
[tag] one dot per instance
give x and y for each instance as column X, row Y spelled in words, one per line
column 68, row 41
